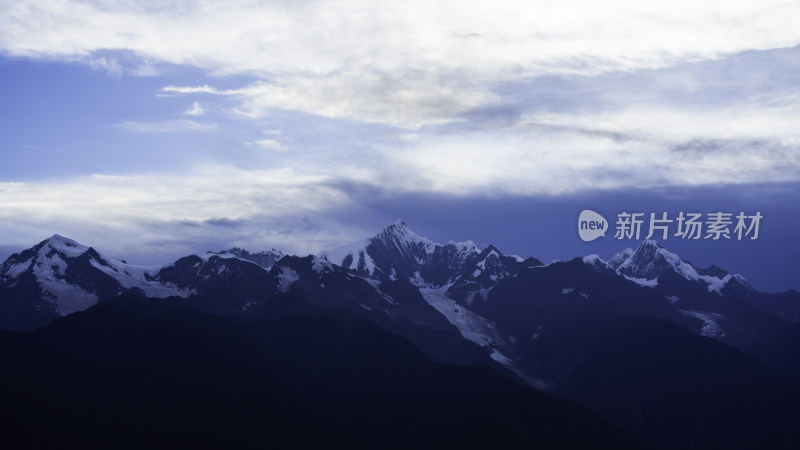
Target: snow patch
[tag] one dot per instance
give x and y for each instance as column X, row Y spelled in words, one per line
column 321, row 265
column 680, row 266
column 208, row 255
column 567, row 291
column 642, row 281
column 471, row 326
column 286, row 278
column 68, row 298
column 369, row 264
column 339, row 254
column 376, row 285
column 508, row 363
column 593, row 260
column 716, row 284
column 18, row 268
column 418, row 281
column 501, row 358
column 482, row 263
column 711, row 326
column 131, row 277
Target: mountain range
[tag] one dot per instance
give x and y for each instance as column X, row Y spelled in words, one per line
column 646, row 340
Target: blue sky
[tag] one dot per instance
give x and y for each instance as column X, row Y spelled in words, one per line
column 154, row 129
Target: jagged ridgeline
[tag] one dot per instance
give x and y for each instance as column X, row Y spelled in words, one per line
column 575, row 328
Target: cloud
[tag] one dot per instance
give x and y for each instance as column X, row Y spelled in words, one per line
column 175, row 213
column 273, row 145
column 405, row 63
column 400, row 99
column 554, row 154
column 204, row 89
column 110, row 65
column 168, row 126
column 195, row 110
column 497, row 36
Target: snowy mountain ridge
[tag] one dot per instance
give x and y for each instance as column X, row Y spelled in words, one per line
column 58, row 266
column 397, row 252
column 265, row 259
column 651, row 260
column 61, row 268
column 434, row 294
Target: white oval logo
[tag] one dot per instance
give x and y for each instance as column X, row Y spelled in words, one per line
column 591, row 225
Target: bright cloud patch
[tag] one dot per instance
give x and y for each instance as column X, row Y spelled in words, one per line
column 406, row 63
column 272, row 144
column 261, row 208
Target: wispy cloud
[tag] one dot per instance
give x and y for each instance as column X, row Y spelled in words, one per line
column 272, row 144
column 406, row 63
column 494, row 37
column 195, row 110
column 529, row 159
column 110, row 65
column 168, row 126
column 204, row 89
column 173, row 211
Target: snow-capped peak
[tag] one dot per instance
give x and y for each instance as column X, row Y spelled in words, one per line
column 49, row 254
column 395, row 238
column 400, row 232
column 63, row 245
column 650, row 260
column 71, row 277
column 397, row 252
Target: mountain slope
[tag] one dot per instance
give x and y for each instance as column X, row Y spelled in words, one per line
column 678, row 390
column 395, row 306
column 142, row 373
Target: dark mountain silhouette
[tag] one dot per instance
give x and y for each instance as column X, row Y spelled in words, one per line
column 134, row 372
column 679, row 390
